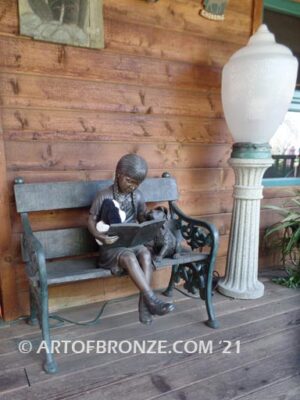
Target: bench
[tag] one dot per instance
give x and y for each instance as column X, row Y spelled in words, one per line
column 48, row 254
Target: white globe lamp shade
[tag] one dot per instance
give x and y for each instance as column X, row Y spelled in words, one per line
column 258, row 83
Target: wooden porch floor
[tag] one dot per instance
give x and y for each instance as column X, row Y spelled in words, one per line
column 266, row 368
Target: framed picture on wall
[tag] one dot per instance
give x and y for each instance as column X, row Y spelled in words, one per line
column 73, row 22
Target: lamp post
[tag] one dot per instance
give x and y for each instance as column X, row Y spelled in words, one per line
column 257, row 87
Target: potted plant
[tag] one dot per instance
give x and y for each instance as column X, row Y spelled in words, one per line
column 286, row 237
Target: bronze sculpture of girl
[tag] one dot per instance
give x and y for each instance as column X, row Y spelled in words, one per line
column 131, row 170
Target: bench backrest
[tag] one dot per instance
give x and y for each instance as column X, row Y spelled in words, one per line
column 32, row 197
column 63, row 195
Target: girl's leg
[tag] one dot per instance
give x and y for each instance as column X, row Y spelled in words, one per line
column 144, row 258
column 130, row 263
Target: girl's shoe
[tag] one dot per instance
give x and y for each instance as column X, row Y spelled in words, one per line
column 145, row 316
column 156, row 306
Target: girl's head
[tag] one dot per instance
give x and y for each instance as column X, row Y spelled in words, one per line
column 131, row 170
column 132, row 166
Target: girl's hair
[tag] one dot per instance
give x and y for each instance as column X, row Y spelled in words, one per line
column 133, row 166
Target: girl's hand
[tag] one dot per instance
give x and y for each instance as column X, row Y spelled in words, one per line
column 105, row 239
column 109, row 239
column 102, row 237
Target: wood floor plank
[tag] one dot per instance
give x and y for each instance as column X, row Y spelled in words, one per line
column 234, row 382
column 286, row 389
column 13, row 380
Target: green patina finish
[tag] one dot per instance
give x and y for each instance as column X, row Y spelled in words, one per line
column 250, row 150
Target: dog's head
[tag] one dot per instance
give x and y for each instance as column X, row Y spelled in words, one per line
column 158, row 213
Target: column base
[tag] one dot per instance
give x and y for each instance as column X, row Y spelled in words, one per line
column 254, row 292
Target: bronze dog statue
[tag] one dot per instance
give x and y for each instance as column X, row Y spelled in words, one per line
column 167, row 241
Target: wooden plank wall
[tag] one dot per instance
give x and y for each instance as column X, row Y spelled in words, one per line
column 69, row 113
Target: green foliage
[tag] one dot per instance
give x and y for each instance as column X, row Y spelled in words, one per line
column 286, row 237
column 291, row 281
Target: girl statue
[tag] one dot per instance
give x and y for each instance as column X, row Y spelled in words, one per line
column 131, row 170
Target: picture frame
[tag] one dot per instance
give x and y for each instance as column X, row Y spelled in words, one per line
column 72, row 22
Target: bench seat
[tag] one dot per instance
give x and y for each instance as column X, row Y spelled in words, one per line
column 73, row 270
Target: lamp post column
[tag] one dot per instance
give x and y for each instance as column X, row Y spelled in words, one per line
column 249, row 162
column 258, row 83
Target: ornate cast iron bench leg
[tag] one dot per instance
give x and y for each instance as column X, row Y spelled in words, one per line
column 212, row 322
column 50, row 364
column 32, row 320
column 197, row 277
column 37, row 271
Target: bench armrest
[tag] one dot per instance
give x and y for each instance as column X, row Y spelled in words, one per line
column 197, row 233
column 33, row 253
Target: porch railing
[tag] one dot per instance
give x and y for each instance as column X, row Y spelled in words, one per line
column 285, row 166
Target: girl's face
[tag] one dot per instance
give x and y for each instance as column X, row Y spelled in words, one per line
column 127, row 184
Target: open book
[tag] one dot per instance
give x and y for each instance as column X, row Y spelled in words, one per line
column 133, row 234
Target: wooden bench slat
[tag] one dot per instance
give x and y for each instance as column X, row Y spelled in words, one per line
column 159, row 189
column 65, row 242
column 78, row 241
column 187, row 257
column 65, row 271
column 56, row 195
column 62, row 195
